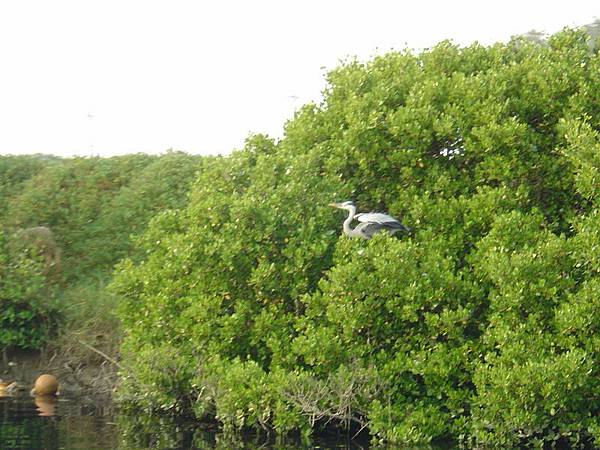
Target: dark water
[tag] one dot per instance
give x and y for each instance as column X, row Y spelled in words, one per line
column 27, row 423
column 87, row 423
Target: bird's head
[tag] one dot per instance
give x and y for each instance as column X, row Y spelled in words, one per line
column 343, row 205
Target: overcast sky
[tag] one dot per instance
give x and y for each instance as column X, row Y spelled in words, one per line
column 111, row 77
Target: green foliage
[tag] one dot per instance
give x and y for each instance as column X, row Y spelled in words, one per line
column 28, row 312
column 94, row 205
column 583, row 150
column 543, row 399
column 16, row 170
column 68, row 198
column 239, row 391
column 164, row 384
column 162, row 184
column 480, row 326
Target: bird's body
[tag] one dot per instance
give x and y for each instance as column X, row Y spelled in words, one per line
column 370, row 223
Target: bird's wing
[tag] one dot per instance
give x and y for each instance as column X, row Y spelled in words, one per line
column 368, row 229
column 382, row 219
column 375, row 218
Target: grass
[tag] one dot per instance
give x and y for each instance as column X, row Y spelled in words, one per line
column 88, row 340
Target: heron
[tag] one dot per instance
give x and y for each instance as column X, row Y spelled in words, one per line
column 371, row 223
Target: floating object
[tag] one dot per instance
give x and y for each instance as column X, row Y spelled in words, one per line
column 7, row 388
column 45, row 384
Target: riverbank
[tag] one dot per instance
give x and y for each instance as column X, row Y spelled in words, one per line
column 76, row 377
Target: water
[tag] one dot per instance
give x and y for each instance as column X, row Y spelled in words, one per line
column 87, row 423
column 48, row 423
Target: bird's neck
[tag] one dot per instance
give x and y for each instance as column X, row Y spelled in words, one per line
column 351, row 213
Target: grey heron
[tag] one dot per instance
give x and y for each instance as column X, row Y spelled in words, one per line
column 371, row 223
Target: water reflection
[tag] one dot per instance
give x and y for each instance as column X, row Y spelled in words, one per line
column 49, row 423
column 90, row 423
column 46, row 405
column 168, row 433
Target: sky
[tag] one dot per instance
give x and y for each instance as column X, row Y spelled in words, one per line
column 109, row 77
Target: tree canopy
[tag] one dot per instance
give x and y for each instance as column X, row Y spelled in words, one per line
column 248, row 305
column 76, row 215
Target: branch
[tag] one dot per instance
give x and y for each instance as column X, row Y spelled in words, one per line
column 104, row 355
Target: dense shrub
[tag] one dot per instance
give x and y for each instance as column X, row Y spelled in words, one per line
column 15, row 171
column 94, row 205
column 68, row 198
column 162, row 184
column 480, row 326
column 28, row 310
column 80, row 214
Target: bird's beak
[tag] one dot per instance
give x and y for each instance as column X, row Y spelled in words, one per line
column 334, row 205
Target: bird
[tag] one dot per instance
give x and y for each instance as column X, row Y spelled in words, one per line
column 371, row 223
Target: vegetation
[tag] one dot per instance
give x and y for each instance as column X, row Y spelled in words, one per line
column 242, row 301
column 14, row 171
column 481, row 327
column 89, row 207
column 28, row 313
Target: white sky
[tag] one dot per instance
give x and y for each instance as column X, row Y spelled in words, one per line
column 109, row 77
